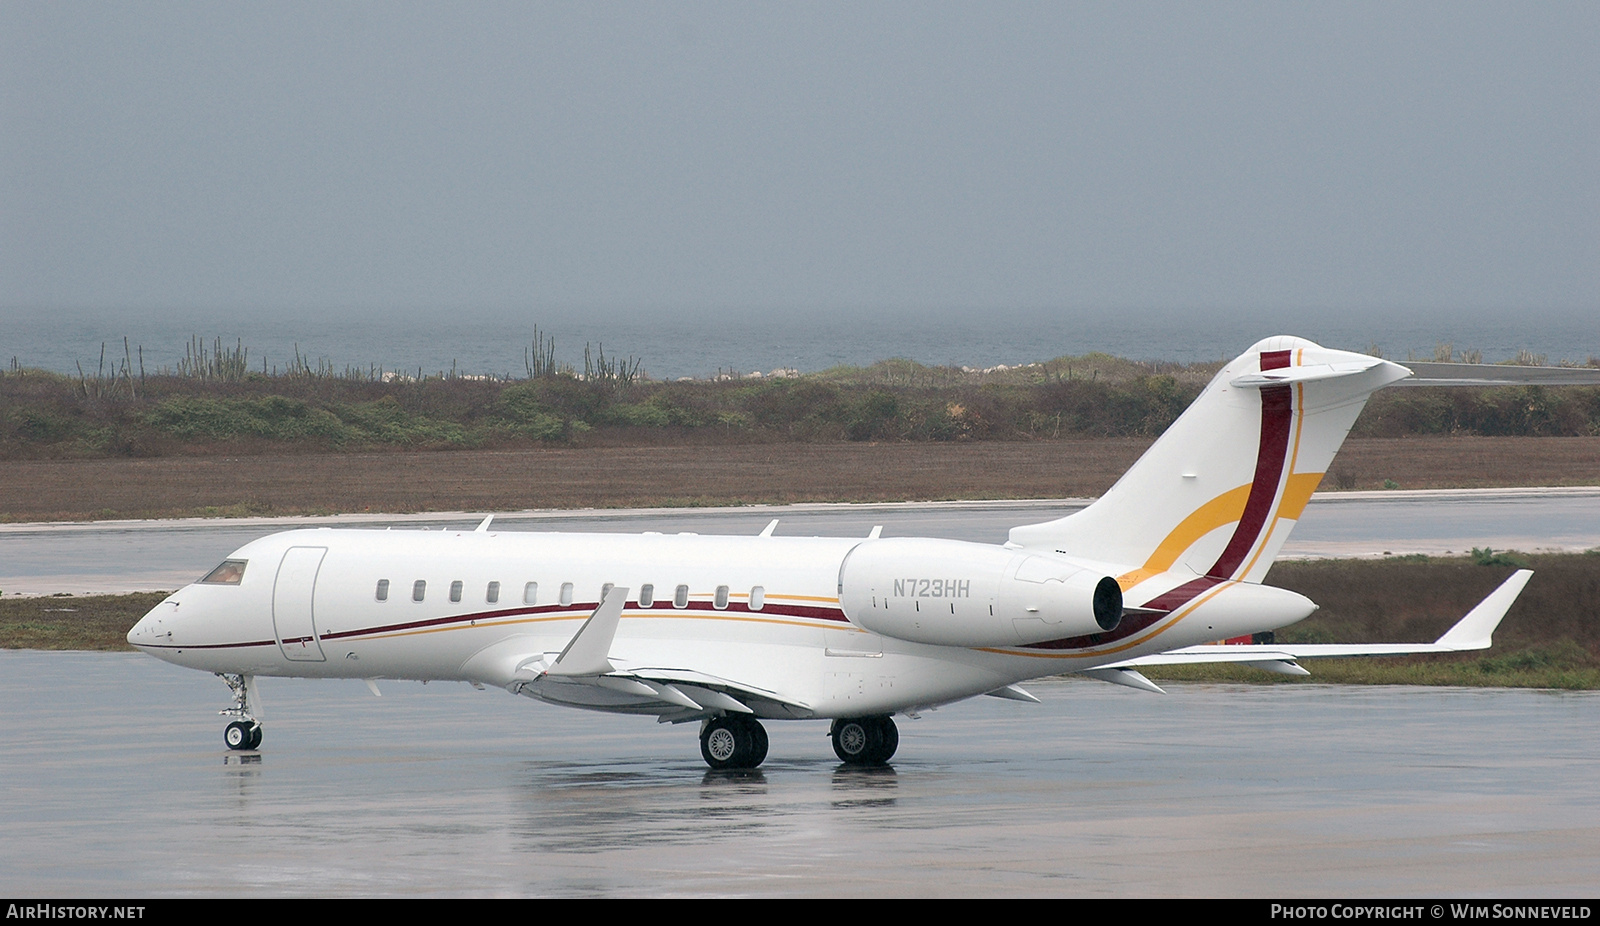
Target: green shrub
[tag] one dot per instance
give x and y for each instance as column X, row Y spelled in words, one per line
column 1488, row 557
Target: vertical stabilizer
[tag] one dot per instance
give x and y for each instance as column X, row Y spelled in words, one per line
column 1218, row 493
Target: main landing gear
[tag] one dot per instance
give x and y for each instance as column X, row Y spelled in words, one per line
column 733, row 741
column 865, row 740
column 738, row 741
column 245, row 732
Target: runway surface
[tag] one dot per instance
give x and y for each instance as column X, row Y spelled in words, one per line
column 117, row 784
column 103, row 557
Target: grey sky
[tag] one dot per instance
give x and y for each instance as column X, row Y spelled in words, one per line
column 633, row 157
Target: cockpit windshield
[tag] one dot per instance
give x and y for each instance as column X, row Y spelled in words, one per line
column 229, row 573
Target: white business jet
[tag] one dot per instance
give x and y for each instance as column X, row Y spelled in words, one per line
column 730, row 631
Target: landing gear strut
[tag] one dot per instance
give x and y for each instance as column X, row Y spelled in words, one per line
column 733, row 741
column 245, row 732
column 865, row 740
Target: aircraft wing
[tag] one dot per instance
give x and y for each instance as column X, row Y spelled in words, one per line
column 1472, row 632
column 584, row 675
column 673, row 695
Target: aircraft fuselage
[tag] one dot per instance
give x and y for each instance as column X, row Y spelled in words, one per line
column 772, row 614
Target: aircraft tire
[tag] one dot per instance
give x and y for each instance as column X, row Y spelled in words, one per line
column 888, row 740
column 237, row 735
column 727, row 743
column 758, row 741
column 856, row 740
column 255, row 737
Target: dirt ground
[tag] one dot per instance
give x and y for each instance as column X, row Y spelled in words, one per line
column 686, row 475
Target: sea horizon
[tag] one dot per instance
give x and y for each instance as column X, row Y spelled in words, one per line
column 673, row 345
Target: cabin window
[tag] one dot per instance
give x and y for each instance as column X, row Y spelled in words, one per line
column 455, row 590
column 419, row 589
column 383, row 589
column 721, row 600
column 680, row 597
column 530, row 593
column 647, row 595
column 606, row 590
column 566, row 593
column 493, row 594
column 758, row 598
column 231, row 572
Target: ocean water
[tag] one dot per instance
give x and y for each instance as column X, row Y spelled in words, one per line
column 670, row 345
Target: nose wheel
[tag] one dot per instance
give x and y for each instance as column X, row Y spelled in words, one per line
column 242, row 734
column 733, row 741
column 865, row 740
column 245, row 731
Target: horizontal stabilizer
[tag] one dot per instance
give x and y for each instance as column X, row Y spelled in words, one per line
column 1496, row 374
column 1305, row 374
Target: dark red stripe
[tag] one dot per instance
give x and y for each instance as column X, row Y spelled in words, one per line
column 1166, row 603
column 1277, row 416
column 579, row 609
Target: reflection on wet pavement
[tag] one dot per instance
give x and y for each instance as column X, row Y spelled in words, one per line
column 117, row 783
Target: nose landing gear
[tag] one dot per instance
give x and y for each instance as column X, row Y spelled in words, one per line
column 242, row 734
column 245, row 732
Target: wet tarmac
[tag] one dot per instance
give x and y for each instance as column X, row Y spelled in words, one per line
column 116, row 783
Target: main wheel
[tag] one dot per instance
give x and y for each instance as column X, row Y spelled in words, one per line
column 238, row 735
column 855, row 740
column 725, row 743
column 888, row 740
column 758, row 741
column 864, row 740
column 255, row 737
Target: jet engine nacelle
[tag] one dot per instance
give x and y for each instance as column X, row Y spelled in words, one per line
column 950, row 593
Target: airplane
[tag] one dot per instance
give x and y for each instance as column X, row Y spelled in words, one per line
column 731, row 631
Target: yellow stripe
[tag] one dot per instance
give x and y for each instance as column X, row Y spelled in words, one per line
column 1222, row 510
column 1297, row 494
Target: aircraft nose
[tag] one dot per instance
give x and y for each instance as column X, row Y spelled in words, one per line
column 152, row 627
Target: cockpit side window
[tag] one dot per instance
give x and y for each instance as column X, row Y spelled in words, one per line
column 231, row 572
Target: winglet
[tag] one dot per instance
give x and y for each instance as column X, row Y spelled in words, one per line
column 483, row 527
column 772, row 525
column 1474, row 630
column 586, row 653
